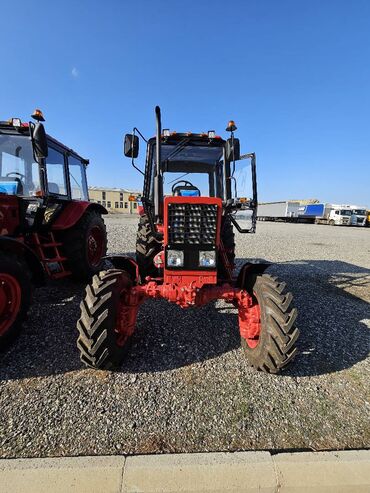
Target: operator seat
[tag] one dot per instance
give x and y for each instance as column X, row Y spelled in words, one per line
column 11, row 186
column 186, row 191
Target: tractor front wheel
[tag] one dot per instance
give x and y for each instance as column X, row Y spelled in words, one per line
column 85, row 244
column 15, row 296
column 146, row 249
column 107, row 320
column 268, row 330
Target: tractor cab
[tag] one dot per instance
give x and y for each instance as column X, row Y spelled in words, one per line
column 38, row 174
column 196, row 165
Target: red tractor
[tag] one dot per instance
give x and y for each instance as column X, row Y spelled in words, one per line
column 185, row 252
column 48, row 227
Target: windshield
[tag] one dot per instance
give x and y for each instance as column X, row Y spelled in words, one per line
column 19, row 173
column 188, row 152
column 202, row 181
column 359, row 212
column 200, row 165
column 345, row 213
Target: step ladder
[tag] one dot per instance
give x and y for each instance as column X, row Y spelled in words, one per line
column 47, row 249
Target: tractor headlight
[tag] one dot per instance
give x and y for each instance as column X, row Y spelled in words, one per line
column 175, row 258
column 207, row 259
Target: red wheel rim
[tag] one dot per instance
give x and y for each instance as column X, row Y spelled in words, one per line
column 250, row 321
column 10, row 301
column 255, row 326
column 126, row 320
column 95, row 246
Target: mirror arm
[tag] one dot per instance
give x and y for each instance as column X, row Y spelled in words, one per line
column 135, row 129
column 133, row 159
column 134, row 165
column 31, row 126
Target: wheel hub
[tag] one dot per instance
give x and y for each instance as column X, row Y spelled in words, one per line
column 95, row 246
column 10, row 301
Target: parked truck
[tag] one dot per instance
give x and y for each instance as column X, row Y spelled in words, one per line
column 333, row 214
column 359, row 215
column 278, row 211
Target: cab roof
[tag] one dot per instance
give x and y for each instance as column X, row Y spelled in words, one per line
column 7, row 128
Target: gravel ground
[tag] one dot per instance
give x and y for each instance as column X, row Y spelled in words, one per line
column 186, row 385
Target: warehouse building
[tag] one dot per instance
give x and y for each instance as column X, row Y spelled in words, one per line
column 118, row 200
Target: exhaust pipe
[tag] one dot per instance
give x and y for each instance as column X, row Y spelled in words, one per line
column 158, row 182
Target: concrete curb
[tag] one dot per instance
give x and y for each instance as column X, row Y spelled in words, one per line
column 308, row 472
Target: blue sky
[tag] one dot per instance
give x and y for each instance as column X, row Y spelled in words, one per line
column 295, row 76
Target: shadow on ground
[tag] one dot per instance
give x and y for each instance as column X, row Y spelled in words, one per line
column 334, row 320
column 333, row 299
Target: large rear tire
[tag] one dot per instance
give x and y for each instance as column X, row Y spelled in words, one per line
column 106, row 323
column 15, row 296
column 273, row 345
column 85, row 244
column 147, row 248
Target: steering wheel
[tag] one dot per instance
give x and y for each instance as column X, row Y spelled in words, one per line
column 184, row 183
column 16, row 173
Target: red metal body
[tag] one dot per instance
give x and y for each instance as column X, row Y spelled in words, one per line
column 45, row 246
column 73, row 212
column 190, row 296
column 9, row 214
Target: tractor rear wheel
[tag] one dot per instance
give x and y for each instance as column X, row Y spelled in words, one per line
column 15, row 296
column 107, row 321
column 147, row 248
column 228, row 241
column 271, row 344
column 85, row 244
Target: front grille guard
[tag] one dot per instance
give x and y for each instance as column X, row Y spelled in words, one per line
column 192, row 224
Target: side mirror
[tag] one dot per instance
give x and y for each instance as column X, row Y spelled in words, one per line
column 131, row 146
column 232, row 149
column 40, row 142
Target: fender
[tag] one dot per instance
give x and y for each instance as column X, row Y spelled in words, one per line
column 10, row 245
column 250, row 268
column 122, row 262
column 73, row 212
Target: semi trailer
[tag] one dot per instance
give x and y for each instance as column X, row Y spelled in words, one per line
column 278, row 211
column 333, row 214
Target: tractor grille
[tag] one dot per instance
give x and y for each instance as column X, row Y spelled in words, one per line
column 192, row 224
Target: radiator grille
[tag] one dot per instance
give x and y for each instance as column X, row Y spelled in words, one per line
column 194, row 224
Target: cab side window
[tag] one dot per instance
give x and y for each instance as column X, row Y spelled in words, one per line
column 56, row 173
column 77, row 179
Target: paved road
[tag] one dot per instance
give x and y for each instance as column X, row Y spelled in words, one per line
column 186, row 385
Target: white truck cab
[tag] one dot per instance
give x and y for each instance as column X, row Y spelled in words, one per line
column 339, row 215
column 358, row 217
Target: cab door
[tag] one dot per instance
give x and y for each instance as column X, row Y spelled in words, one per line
column 77, row 179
